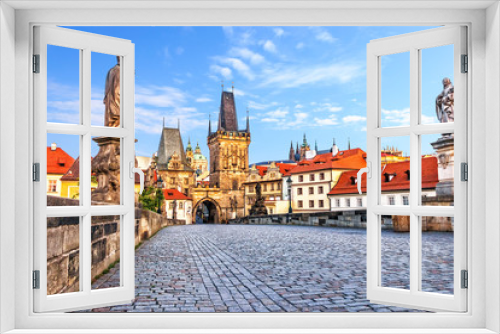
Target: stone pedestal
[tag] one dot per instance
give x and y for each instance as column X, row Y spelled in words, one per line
column 106, row 168
column 445, row 152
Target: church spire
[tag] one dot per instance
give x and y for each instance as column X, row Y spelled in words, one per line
column 228, row 120
column 248, row 122
column 163, row 121
column 209, row 124
column 304, row 143
column 316, row 145
column 348, row 143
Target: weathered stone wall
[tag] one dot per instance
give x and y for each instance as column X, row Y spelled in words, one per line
column 63, row 243
column 348, row 218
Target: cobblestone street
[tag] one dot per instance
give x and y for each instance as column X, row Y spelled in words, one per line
column 258, row 268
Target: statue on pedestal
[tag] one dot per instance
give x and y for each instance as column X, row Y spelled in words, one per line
column 445, row 103
column 106, row 164
column 444, row 146
column 258, row 208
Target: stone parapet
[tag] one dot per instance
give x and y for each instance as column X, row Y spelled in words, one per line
column 63, row 243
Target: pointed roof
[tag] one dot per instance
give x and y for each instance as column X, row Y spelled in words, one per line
column 58, row 161
column 170, row 142
column 189, row 148
column 228, row 121
column 73, row 173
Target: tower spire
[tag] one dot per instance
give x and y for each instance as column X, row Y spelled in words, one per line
column 163, row 121
column 349, row 143
column 248, row 122
column 178, row 123
column 316, row 145
column 209, row 124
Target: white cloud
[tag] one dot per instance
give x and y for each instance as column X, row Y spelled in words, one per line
column 204, row 99
column 296, row 76
column 237, row 65
column 166, row 52
column 326, row 107
column 245, row 53
column 224, row 72
column 353, row 119
column 278, row 113
column 325, row 36
column 228, row 31
column 159, row 96
column 396, row 116
column 299, row 45
column 269, row 46
column 299, row 106
column 329, row 121
column 279, row 32
column 261, row 106
column 270, row 120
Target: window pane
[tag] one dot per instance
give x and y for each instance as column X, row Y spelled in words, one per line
column 106, row 90
column 394, row 169
column 63, row 255
column 63, row 167
column 105, row 252
column 395, row 90
column 437, row 254
column 395, row 252
column 63, row 85
column 438, row 169
column 437, row 85
column 105, row 180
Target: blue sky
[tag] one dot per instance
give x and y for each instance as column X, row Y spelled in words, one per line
column 293, row 80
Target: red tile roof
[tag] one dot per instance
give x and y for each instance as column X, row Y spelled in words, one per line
column 284, row 168
column 399, row 182
column 73, row 173
column 58, row 161
column 348, row 159
column 171, row 194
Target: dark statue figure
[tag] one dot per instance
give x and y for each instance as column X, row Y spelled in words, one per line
column 445, row 103
column 106, row 164
column 258, row 208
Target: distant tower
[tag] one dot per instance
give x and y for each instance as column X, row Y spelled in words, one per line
column 335, row 149
column 349, row 143
column 316, row 145
column 189, row 153
column 291, row 156
column 304, row 148
column 248, row 121
column 229, row 157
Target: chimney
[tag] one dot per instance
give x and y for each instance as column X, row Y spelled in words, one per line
column 53, row 146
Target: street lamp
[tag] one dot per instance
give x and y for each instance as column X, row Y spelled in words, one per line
column 289, row 184
column 159, row 186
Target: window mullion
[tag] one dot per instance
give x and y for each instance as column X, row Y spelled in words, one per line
column 414, row 169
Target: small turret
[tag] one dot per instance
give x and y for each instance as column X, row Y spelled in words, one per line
column 291, row 155
column 335, row 149
column 248, row 122
column 209, row 125
column 188, row 147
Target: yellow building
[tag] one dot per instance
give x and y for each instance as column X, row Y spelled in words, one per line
column 70, row 181
column 58, row 163
column 272, row 184
column 197, row 161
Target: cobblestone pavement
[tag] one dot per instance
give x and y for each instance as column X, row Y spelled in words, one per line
column 256, row 268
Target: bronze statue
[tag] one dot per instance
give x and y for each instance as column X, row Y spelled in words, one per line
column 445, row 103
column 112, row 96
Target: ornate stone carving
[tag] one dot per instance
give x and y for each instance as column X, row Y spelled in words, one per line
column 258, row 208
column 445, row 102
column 112, row 96
column 106, row 167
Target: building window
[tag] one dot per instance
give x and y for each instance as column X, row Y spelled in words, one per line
column 321, row 176
column 321, row 203
column 265, row 187
column 235, row 184
column 320, row 190
column 406, row 201
column 360, row 202
column 181, row 205
column 301, row 178
column 311, row 177
column 348, row 202
column 299, row 191
column 311, row 204
column 311, row 190
column 392, row 200
column 337, row 202
column 52, row 186
column 300, row 204
column 279, row 186
column 272, row 186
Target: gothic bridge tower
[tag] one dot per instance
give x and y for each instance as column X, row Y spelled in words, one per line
column 229, row 158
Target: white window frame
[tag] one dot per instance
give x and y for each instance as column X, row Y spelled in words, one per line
column 413, row 44
column 85, row 43
column 482, row 316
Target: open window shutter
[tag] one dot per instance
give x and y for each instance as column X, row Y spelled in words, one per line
column 69, row 240
column 421, row 288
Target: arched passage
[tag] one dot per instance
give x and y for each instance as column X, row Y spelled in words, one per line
column 207, row 211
